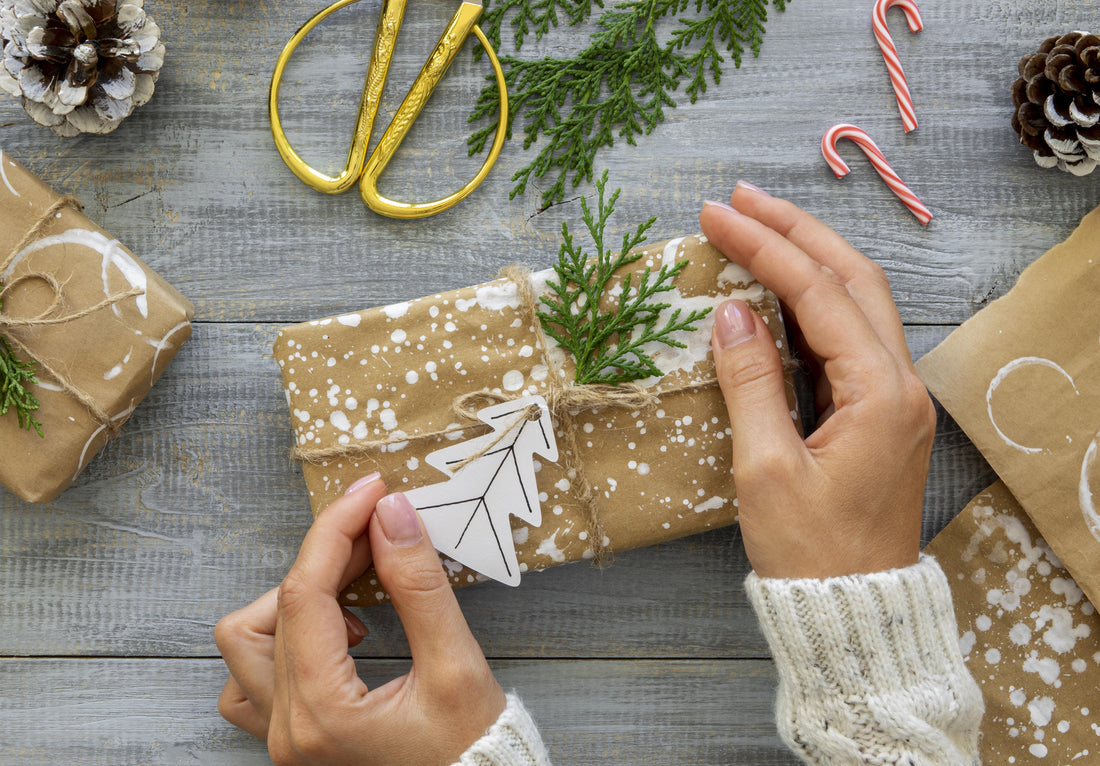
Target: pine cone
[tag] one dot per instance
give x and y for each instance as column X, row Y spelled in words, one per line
column 80, row 66
column 1057, row 98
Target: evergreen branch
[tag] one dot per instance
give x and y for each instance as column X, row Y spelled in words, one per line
column 529, row 16
column 617, row 87
column 15, row 377
column 608, row 345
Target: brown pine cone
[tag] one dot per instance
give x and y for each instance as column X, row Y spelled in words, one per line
column 80, row 66
column 1057, row 99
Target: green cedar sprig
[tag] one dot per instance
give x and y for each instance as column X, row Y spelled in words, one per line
column 15, row 377
column 617, row 87
column 607, row 344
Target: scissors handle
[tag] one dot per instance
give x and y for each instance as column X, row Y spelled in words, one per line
column 360, row 168
column 385, row 38
column 462, row 23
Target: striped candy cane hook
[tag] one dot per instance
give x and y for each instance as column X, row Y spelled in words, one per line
column 890, row 54
column 878, row 160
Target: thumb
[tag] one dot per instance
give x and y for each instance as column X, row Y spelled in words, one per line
column 750, row 374
column 410, row 570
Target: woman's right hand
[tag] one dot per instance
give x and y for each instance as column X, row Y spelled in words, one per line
column 848, row 498
column 292, row 682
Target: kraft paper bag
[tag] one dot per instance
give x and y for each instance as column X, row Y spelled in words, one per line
column 1022, row 378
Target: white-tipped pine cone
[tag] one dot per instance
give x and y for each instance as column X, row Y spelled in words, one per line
column 1057, row 100
column 80, row 66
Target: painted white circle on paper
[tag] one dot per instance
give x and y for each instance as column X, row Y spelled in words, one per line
column 1088, row 508
column 998, row 379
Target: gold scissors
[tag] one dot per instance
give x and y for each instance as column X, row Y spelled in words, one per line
column 359, row 166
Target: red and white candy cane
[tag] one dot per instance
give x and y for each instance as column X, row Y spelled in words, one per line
column 878, row 160
column 890, row 54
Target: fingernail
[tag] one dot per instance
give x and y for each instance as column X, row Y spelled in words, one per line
column 398, row 519
column 363, row 482
column 356, row 627
column 750, row 187
column 723, row 205
column 734, row 323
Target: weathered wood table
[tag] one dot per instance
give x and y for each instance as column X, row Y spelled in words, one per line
column 108, row 596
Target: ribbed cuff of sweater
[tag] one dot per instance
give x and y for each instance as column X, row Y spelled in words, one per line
column 512, row 741
column 869, row 666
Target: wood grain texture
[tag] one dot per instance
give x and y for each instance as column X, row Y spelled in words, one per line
column 192, row 182
column 197, row 509
column 110, row 594
column 106, row 712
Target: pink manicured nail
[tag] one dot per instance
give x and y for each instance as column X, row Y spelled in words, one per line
column 363, row 482
column 723, row 205
column 356, row 627
column 750, row 187
column 734, row 324
column 398, row 519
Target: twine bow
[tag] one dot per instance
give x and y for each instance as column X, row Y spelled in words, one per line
column 10, row 325
column 564, row 401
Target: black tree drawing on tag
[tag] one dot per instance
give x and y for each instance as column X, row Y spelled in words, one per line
column 492, row 477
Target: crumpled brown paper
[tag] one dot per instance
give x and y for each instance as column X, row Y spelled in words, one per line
column 1029, row 636
column 115, row 355
column 393, row 373
column 1022, row 378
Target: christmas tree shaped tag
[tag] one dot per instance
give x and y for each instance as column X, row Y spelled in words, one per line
column 491, row 478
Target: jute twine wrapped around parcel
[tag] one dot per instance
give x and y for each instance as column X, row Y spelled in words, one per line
column 11, row 325
column 564, row 401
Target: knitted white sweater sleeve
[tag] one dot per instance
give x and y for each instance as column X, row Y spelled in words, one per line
column 870, row 670
column 512, row 741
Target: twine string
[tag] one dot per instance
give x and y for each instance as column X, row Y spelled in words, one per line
column 531, row 412
column 42, row 222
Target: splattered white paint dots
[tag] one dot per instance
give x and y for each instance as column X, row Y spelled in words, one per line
column 513, row 380
column 398, row 310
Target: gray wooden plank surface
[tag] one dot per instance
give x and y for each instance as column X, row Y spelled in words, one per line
column 109, row 595
column 106, row 712
column 197, row 509
column 192, row 183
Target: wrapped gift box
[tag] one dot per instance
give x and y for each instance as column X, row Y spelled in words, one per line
column 112, row 355
column 386, row 379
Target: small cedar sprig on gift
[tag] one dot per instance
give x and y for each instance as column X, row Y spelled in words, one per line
column 15, row 376
column 607, row 344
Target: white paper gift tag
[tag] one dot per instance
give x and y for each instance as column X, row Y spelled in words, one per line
column 491, row 478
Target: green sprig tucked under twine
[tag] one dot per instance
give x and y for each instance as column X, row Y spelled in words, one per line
column 618, row 86
column 15, row 377
column 607, row 344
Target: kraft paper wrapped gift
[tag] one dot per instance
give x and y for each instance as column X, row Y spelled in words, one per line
column 1029, row 636
column 391, row 375
column 118, row 326
column 1022, row 378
